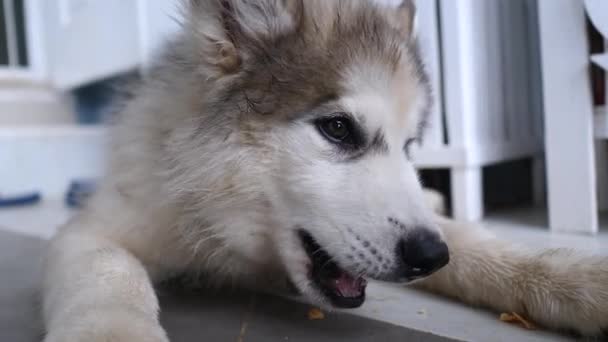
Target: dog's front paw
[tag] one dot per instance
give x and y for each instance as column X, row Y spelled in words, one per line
column 575, row 298
column 107, row 327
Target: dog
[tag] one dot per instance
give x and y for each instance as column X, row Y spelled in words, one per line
column 269, row 147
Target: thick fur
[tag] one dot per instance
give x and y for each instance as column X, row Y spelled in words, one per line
column 216, row 162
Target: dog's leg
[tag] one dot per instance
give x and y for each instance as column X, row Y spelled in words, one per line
column 95, row 290
column 556, row 288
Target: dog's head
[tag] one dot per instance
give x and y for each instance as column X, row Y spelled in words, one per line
column 318, row 102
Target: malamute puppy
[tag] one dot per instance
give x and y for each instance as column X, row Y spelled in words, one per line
column 269, row 146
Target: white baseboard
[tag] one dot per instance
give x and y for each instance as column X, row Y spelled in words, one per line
column 47, row 158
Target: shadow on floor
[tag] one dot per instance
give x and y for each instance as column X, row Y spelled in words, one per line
column 244, row 316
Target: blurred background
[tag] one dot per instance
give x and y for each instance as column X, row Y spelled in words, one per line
column 517, row 132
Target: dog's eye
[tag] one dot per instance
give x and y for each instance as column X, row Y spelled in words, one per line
column 337, row 129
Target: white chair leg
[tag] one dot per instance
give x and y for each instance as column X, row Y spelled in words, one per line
column 467, row 196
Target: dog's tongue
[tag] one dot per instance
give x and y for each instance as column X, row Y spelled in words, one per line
column 348, row 286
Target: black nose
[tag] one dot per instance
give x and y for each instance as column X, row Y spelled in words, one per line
column 422, row 253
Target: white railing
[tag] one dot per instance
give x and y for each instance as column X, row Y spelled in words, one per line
column 482, row 57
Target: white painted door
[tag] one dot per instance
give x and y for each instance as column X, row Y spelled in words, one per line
column 89, row 40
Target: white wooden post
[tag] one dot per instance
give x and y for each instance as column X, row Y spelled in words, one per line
column 568, row 117
column 466, row 186
column 459, row 21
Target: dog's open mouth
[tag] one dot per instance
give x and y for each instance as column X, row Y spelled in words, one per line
column 343, row 289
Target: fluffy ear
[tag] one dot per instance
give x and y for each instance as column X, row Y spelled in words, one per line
column 404, row 16
column 231, row 29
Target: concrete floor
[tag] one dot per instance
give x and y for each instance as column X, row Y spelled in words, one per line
column 391, row 313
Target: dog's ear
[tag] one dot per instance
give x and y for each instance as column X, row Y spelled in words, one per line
column 404, row 17
column 231, row 30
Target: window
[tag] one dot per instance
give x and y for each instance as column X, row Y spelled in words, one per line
column 13, row 45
